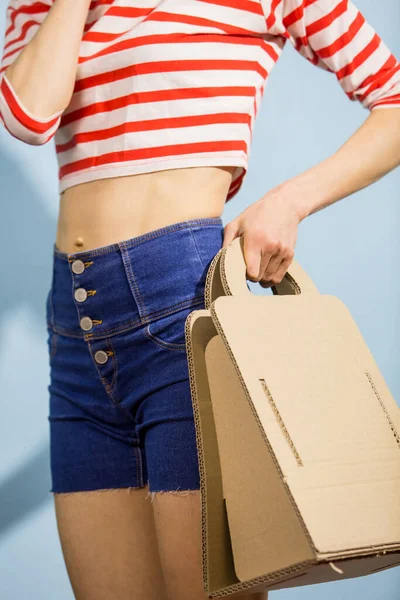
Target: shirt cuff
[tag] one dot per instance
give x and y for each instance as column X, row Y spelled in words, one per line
column 21, row 123
column 389, row 102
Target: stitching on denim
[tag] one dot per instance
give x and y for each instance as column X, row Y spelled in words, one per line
column 197, row 248
column 194, row 301
column 137, row 470
column 111, row 393
column 115, row 365
column 139, row 464
column 122, row 408
column 61, row 332
column 68, row 333
column 114, row 331
column 53, row 346
column 172, row 345
column 103, row 380
column 167, row 345
column 51, row 301
column 132, row 282
column 103, row 334
column 206, row 221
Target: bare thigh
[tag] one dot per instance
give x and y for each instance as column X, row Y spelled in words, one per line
column 177, row 517
column 109, row 544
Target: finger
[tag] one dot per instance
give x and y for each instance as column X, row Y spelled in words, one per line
column 282, row 270
column 270, row 260
column 231, row 231
column 272, row 267
column 252, row 257
column 279, row 274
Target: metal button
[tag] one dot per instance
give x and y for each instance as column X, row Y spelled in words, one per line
column 78, row 267
column 101, row 357
column 80, row 295
column 86, row 323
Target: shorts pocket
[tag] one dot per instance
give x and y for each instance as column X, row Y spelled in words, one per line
column 169, row 331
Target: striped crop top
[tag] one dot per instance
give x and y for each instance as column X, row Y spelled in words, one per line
column 166, row 84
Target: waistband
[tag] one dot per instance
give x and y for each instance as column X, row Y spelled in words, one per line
column 204, row 222
column 110, row 289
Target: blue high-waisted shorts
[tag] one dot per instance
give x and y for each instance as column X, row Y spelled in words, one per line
column 120, row 408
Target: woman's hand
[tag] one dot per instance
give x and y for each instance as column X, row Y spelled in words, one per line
column 269, row 228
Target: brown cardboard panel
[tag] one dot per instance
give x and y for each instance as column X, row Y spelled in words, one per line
column 267, row 534
column 349, row 496
column 320, row 346
column 322, row 382
column 218, row 570
column 290, row 402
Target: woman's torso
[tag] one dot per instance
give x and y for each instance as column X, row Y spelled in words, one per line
column 197, row 78
column 105, row 211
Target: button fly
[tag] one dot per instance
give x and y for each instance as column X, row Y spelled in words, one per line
column 101, row 357
column 86, row 323
column 78, row 267
column 80, row 295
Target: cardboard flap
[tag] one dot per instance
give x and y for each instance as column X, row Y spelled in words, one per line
column 322, row 402
column 349, row 506
column 316, row 386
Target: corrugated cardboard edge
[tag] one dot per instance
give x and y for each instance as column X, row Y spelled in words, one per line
column 232, row 275
column 213, row 284
column 254, row 584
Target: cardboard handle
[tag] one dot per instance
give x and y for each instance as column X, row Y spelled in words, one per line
column 227, row 276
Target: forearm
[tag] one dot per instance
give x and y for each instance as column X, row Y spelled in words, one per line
column 370, row 153
column 43, row 75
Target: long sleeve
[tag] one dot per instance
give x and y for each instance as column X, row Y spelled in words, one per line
column 335, row 36
column 23, row 19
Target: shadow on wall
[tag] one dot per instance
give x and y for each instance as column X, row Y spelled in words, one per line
column 26, row 239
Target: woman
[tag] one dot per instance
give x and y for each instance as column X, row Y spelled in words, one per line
column 152, row 109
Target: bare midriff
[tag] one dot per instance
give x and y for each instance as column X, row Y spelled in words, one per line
column 106, row 211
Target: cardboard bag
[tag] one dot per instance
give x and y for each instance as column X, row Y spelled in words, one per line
column 298, row 436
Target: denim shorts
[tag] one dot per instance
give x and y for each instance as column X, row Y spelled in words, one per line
column 120, row 407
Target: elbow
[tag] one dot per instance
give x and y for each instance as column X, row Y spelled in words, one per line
column 20, row 123
column 25, row 135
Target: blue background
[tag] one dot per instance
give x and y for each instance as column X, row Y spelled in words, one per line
column 350, row 249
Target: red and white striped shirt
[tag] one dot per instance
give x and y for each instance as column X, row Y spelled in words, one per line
column 165, row 84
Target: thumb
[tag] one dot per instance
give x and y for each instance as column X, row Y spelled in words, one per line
column 231, row 231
